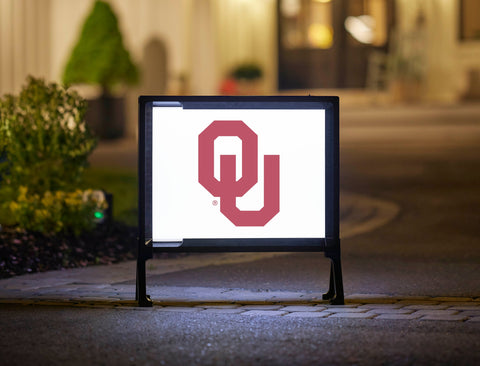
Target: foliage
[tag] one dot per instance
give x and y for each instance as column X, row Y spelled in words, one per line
column 3, row 138
column 6, row 195
column 100, row 56
column 67, row 212
column 247, row 71
column 46, row 142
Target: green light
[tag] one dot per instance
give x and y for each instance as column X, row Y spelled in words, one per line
column 98, row 215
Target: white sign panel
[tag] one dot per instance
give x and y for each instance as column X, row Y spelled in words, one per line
column 245, row 173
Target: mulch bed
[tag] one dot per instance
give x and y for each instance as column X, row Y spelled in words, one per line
column 27, row 252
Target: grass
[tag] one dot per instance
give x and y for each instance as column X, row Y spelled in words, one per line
column 123, row 185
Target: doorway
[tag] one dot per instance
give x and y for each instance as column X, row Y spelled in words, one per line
column 327, row 43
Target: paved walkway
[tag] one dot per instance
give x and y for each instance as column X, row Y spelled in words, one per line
column 357, row 306
column 112, row 286
column 106, row 285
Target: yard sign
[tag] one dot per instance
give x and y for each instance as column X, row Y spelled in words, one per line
column 238, row 174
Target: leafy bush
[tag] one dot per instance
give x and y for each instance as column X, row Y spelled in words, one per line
column 66, row 212
column 44, row 138
column 44, row 149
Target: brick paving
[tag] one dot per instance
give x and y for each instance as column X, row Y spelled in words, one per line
column 353, row 315
column 309, row 314
column 264, row 313
column 356, row 307
column 110, row 287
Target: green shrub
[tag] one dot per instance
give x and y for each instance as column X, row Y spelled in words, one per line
column 100, row 56
column 44, row 147
column 58, row 212
column 247, row 71
column 44, row 138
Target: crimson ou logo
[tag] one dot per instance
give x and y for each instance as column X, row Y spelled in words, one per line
column 228, row 188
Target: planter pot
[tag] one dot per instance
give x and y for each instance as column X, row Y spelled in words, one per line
column 249, row 87
column 473, row 91
column 106, row 116
column 405, row 90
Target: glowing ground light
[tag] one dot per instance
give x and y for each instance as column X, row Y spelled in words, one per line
column 99, row 215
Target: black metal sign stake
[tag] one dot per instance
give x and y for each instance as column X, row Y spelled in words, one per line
column 330, row 244
column 335, row 289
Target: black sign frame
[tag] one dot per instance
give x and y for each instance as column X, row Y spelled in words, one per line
column 330, row 245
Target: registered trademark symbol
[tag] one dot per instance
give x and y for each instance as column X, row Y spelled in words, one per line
column 215, row 202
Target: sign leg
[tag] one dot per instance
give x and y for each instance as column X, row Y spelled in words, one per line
column 141, row 290
column 335, row 292
column 330, row 294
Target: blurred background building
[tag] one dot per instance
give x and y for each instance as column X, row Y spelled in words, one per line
column 379, row 50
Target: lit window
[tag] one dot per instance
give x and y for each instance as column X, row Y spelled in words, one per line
column 306, row 23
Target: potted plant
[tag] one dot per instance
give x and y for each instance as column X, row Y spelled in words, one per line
column 244, row 79
column 407, row 62
column 100, row 58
